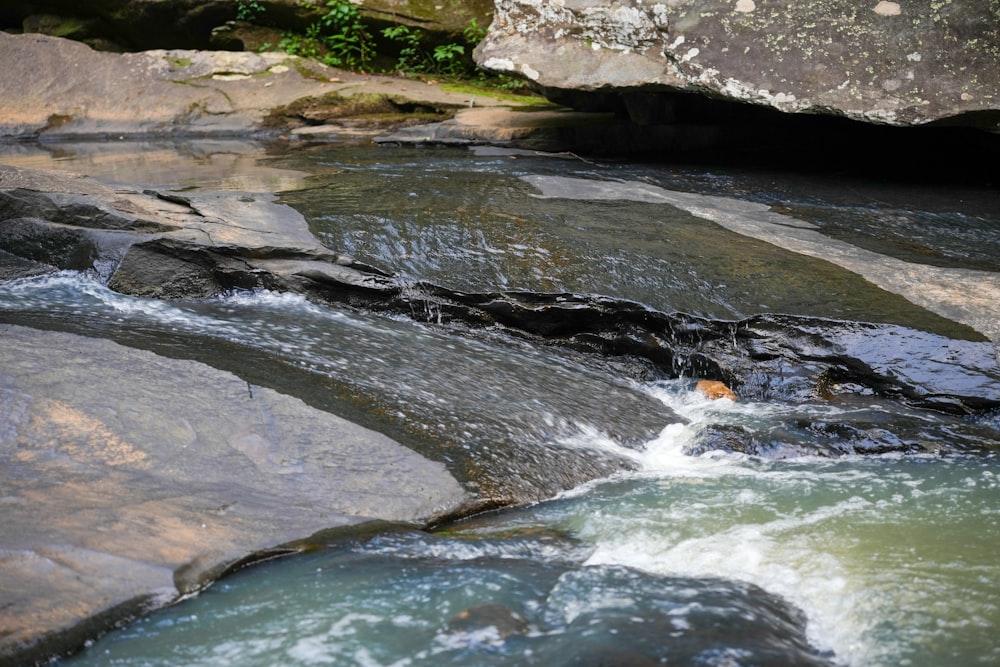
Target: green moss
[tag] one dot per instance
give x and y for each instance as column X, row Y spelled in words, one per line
column 56, row 25
column 69, row 27
column 302, row 67
column 57, row 120
column 178, row 63
column 369, row 109
column 472, row 89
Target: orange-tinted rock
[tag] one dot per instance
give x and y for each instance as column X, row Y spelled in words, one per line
column 715, row 389
column 506, row 621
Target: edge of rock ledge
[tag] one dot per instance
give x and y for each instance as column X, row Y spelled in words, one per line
column 131, row 480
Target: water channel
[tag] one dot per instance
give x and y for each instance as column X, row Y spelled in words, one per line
column 863, row 530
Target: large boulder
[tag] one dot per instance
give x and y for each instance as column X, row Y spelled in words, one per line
column 885, row 62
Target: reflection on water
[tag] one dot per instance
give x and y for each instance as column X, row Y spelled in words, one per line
column 693, row 559
column 211, row 165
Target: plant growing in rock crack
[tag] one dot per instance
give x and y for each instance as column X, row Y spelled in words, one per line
column 339, row 38
column 449, row 59
column 299, row 45
column 248, row 10
column 412, row 57
column 346, row 39
column 415, row 58
column 473, row 32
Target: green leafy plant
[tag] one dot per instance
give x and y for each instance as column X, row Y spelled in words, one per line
column 412, row 58
column 339, row 38
column 346, row 38
column 415, row 58
column 248, row 10
column 299, row 45
column 474, row 33
column 448, row 58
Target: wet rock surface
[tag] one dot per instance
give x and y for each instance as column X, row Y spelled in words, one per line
column 120, row 497
column 118, row 429
column 963, row 295
column 514, row 609
column 194, row 246
column 168, row 244
column 129, row 479
column 222, row 241
column 763, row 357
column 209, row 243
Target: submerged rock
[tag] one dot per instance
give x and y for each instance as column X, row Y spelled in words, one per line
column 497, row 619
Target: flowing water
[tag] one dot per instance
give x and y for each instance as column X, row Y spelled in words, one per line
column 677, row 553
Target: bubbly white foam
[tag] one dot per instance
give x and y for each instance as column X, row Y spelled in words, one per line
column 783, row 554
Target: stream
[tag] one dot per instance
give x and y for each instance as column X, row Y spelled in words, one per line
column 859, row 529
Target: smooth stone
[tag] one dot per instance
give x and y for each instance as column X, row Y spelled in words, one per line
column 128, row 479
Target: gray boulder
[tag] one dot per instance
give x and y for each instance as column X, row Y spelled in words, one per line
column 882, row 62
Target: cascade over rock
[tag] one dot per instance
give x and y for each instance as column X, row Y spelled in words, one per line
column 884, row 62
column 168, row 245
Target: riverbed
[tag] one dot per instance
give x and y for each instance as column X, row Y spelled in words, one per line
column 858, row 529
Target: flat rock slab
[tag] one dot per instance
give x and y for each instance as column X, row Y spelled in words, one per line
column 128, row 479
column 554, row 129
column 961, row 295
column 165, row 244
column 72, row 92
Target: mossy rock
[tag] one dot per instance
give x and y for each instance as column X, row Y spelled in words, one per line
column 369, row 109
column 69, row 27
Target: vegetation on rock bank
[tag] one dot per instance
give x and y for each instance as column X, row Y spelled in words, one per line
column 342, row 37
column 411, row 38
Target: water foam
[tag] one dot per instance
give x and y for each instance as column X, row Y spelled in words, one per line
column 784, row 551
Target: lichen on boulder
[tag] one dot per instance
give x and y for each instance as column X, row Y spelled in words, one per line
column 879, row 62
